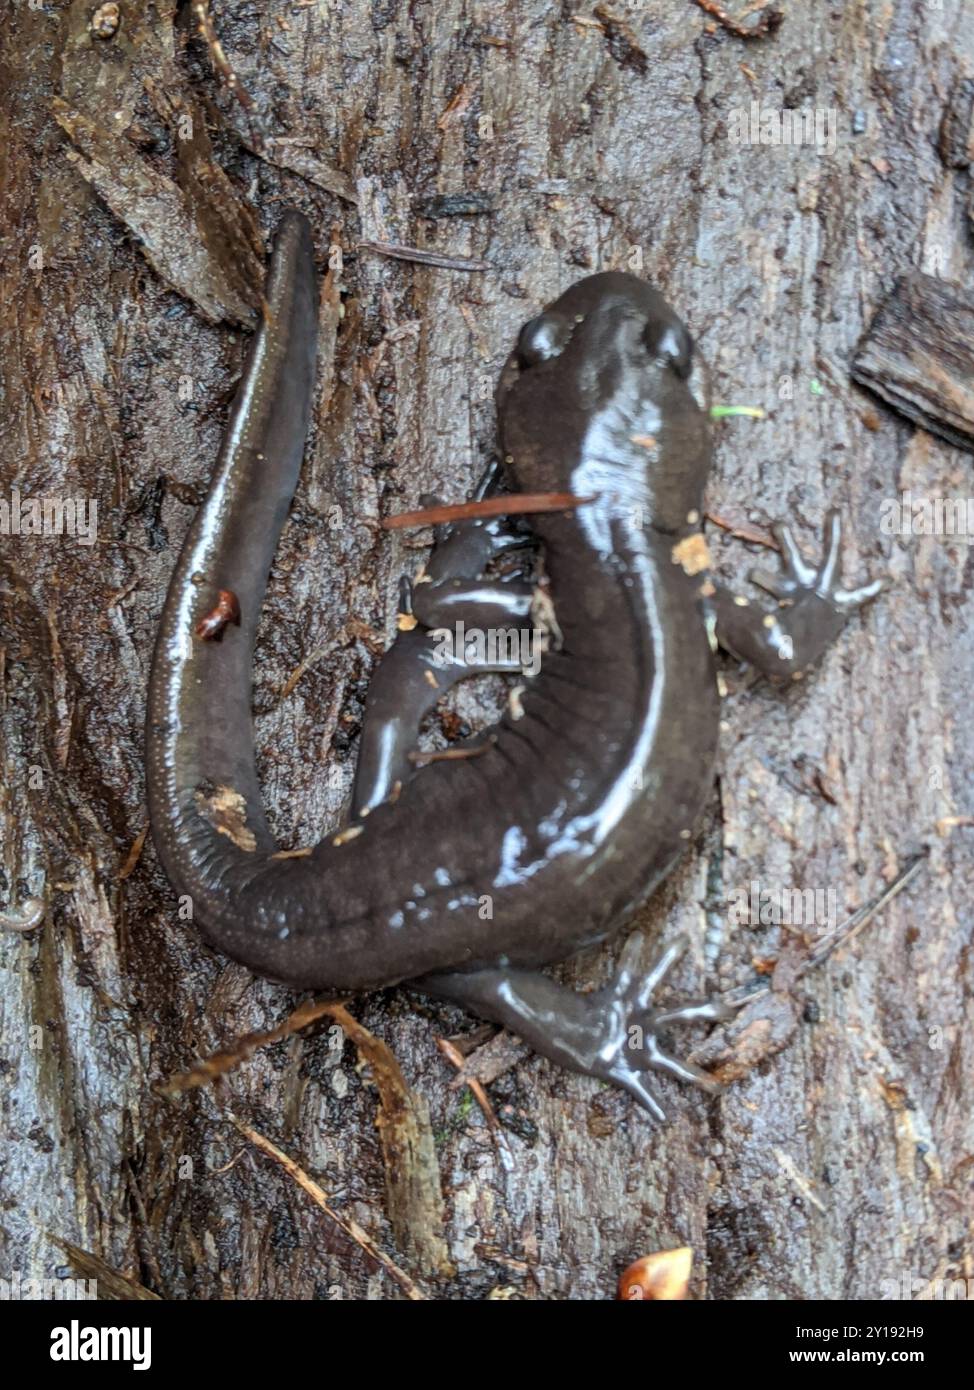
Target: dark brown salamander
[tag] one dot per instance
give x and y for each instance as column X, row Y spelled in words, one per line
column 465, row 876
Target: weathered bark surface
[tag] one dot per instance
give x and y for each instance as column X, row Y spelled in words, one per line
column 841, row 1162
column 918, row 356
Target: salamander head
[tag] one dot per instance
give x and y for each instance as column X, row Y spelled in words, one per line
column 597, row 387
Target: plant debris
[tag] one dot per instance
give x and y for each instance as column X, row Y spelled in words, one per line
column 421, row 257
column 663, row 1277
column 770, row 21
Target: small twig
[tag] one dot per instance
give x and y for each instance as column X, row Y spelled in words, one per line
column 443, row 755
column 111, row 1284
column 317, row 1194
column 948, row 823
column 743, row 530
column 729, row 412
column 790, row 1169
column 456, row 108
column 134, row 855
column 766, row 25
column 119, row 594
column 849, row 930
column 219, row 59
column 220, row 1064
column 516, row 504
column 414, row 253
column 303, row 665
column 452, row 1054
column 862, row 916
column 229, row 1165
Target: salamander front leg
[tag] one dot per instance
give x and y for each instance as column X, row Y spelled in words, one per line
column 812, row 609
column 611, row 1034
column 421, row 665
column 477, row 603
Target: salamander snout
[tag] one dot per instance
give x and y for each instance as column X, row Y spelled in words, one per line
column 606, row 361
column 604, row 316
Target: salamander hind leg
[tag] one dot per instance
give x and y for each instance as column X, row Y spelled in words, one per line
column 611, row 1034
column 812, row 609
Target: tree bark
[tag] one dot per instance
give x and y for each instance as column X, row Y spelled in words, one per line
column 838, row 1165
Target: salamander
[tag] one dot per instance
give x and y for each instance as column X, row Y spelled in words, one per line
column 465, row 876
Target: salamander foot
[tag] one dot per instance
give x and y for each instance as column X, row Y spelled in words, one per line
column 632, row 1027
column 610, row 1034
column 798, row 577
column 812, row 608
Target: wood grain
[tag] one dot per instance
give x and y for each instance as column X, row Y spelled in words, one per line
column 918, row 356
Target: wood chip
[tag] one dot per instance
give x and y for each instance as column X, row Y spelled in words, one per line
column 158, row 215
column 918, row 356
column 691, row 554
column 226, row 810
column 414, row 1196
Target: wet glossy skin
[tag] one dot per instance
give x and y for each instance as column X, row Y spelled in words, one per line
column 585, row 797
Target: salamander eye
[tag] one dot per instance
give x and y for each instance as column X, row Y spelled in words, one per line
column 672, row 343
column 542, row 338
